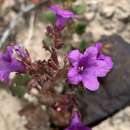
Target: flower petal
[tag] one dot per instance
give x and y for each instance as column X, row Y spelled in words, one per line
column 76, row 123
column 60, row 22
column 8, row 54
column 4, row 76
column 75, row 118
column 90, row 82
column 91, row 55
column 78, row 127
column 21, row 51
column 93, row 51
column 16, row 66
column 8, row 64
column 103, row 66
column 64, row 13
column 74, row 56
column 73, row 76
column 62, row 16
column 98, row 45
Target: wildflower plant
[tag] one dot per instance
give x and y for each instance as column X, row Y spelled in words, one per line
column 60, row 108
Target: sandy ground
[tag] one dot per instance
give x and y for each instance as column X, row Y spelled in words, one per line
column 9, row 107
column 107, row 17
column 120, row 121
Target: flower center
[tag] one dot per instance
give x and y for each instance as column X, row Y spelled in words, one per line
column 81, row 69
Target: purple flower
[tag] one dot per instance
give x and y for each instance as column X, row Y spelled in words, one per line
column 76, row 124
column 21, row 52
column 62, row 16
column 87, row 67
column 8, row 64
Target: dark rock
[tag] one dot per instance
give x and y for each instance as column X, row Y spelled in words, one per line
column 114, row 92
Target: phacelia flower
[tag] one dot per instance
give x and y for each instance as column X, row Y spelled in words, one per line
column 87, row 67
column 62, row 16
column 76, row 124
column 21, row 52
column 9, row 64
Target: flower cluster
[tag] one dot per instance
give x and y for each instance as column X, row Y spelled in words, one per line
column 85, row 67
column 9, row 63
column 62, row 16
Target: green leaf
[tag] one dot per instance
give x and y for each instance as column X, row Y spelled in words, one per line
column 50, row 16
column 83, row 45
column 80, row 9
column 80, row 28
column 48, row 41
column 18, row 86
column 59, row 1
column 66, row 47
